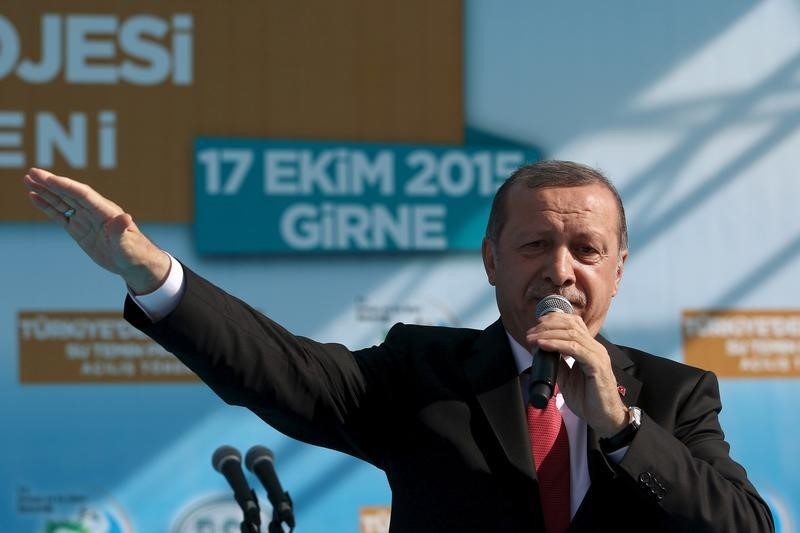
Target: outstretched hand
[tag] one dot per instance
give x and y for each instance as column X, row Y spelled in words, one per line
column 100, row 227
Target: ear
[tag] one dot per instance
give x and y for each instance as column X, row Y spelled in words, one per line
column 623, row 256
column 488, row 253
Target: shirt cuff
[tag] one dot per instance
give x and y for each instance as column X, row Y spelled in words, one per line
column 617, row 455
column 162, row 301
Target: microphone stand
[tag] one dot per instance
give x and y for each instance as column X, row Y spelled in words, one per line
column 251, row 512
column 282, row 513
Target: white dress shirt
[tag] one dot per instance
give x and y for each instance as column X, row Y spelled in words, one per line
column 576, row 428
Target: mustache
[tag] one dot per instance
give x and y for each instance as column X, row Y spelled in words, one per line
column 571, row 294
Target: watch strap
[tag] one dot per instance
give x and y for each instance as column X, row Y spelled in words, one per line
column 624, row 436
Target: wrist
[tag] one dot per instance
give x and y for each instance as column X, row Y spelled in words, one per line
column 624, row 436
column 616, row 422
column 148, row 275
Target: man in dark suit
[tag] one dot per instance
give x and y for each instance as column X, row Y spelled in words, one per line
column 634, row 439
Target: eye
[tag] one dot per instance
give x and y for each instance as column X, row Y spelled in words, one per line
column 535, row 245
column 587, row 252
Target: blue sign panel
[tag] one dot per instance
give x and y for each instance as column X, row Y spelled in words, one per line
column 254, row 196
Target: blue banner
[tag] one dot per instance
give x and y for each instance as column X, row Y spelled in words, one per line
column 277, row 196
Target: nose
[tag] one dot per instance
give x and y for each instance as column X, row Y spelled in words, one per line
column 559, row 270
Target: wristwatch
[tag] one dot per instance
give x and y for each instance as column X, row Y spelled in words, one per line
column 626, row 434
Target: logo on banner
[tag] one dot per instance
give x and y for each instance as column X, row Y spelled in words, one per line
column 209, row 514
column 74, row 512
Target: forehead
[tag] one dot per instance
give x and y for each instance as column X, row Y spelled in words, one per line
column 593, row 206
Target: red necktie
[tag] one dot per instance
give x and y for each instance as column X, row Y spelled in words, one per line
column 550, row 447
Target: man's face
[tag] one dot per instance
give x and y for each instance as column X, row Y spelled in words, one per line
column 556, row 241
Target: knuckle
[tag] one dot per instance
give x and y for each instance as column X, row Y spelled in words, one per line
column 574, row 346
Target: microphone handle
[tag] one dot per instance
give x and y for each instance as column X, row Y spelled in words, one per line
column 242, row 493
column 544, row 374
column 265, row 471
column 281, row 501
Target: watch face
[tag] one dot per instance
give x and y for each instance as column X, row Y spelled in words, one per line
column 636, row 416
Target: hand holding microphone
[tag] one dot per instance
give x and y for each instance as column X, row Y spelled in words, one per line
column 590, row 386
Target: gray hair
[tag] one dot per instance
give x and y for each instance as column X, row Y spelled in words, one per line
column 551, row 174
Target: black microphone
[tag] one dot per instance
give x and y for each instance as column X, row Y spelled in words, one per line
column 228, row 461
column 544, row 370
column 261, row 461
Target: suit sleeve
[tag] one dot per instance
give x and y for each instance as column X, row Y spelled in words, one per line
column 687, row 472
column 322, row 394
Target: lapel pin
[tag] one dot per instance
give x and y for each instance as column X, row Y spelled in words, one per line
column 621, row 390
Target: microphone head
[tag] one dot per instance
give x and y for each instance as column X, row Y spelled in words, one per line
column 257, row 454
column 222, row 455
column 553, row 304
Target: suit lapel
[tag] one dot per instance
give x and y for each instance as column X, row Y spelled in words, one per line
column 492, row 374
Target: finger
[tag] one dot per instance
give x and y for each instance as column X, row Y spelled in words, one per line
column 46, row 207
column 49, row 185
column 55, row 208
column 76, row 194
column 566, row 333
column 569, row 330
column 75, row 226
column 564, row 347
column 562, row 332
column 566, row 342
column 572, row 385
column 46, row 194
column 558, row 320
column 563, row 378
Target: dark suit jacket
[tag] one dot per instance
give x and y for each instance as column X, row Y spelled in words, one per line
column 440, row 411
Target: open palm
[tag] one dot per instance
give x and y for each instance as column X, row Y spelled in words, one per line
column 100, row 227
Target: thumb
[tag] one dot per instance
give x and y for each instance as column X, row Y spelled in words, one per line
column 123, row 235
column 564, row 372
column 119, row 224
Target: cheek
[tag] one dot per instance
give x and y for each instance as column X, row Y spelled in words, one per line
column 511, row 287
column 597, row 284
